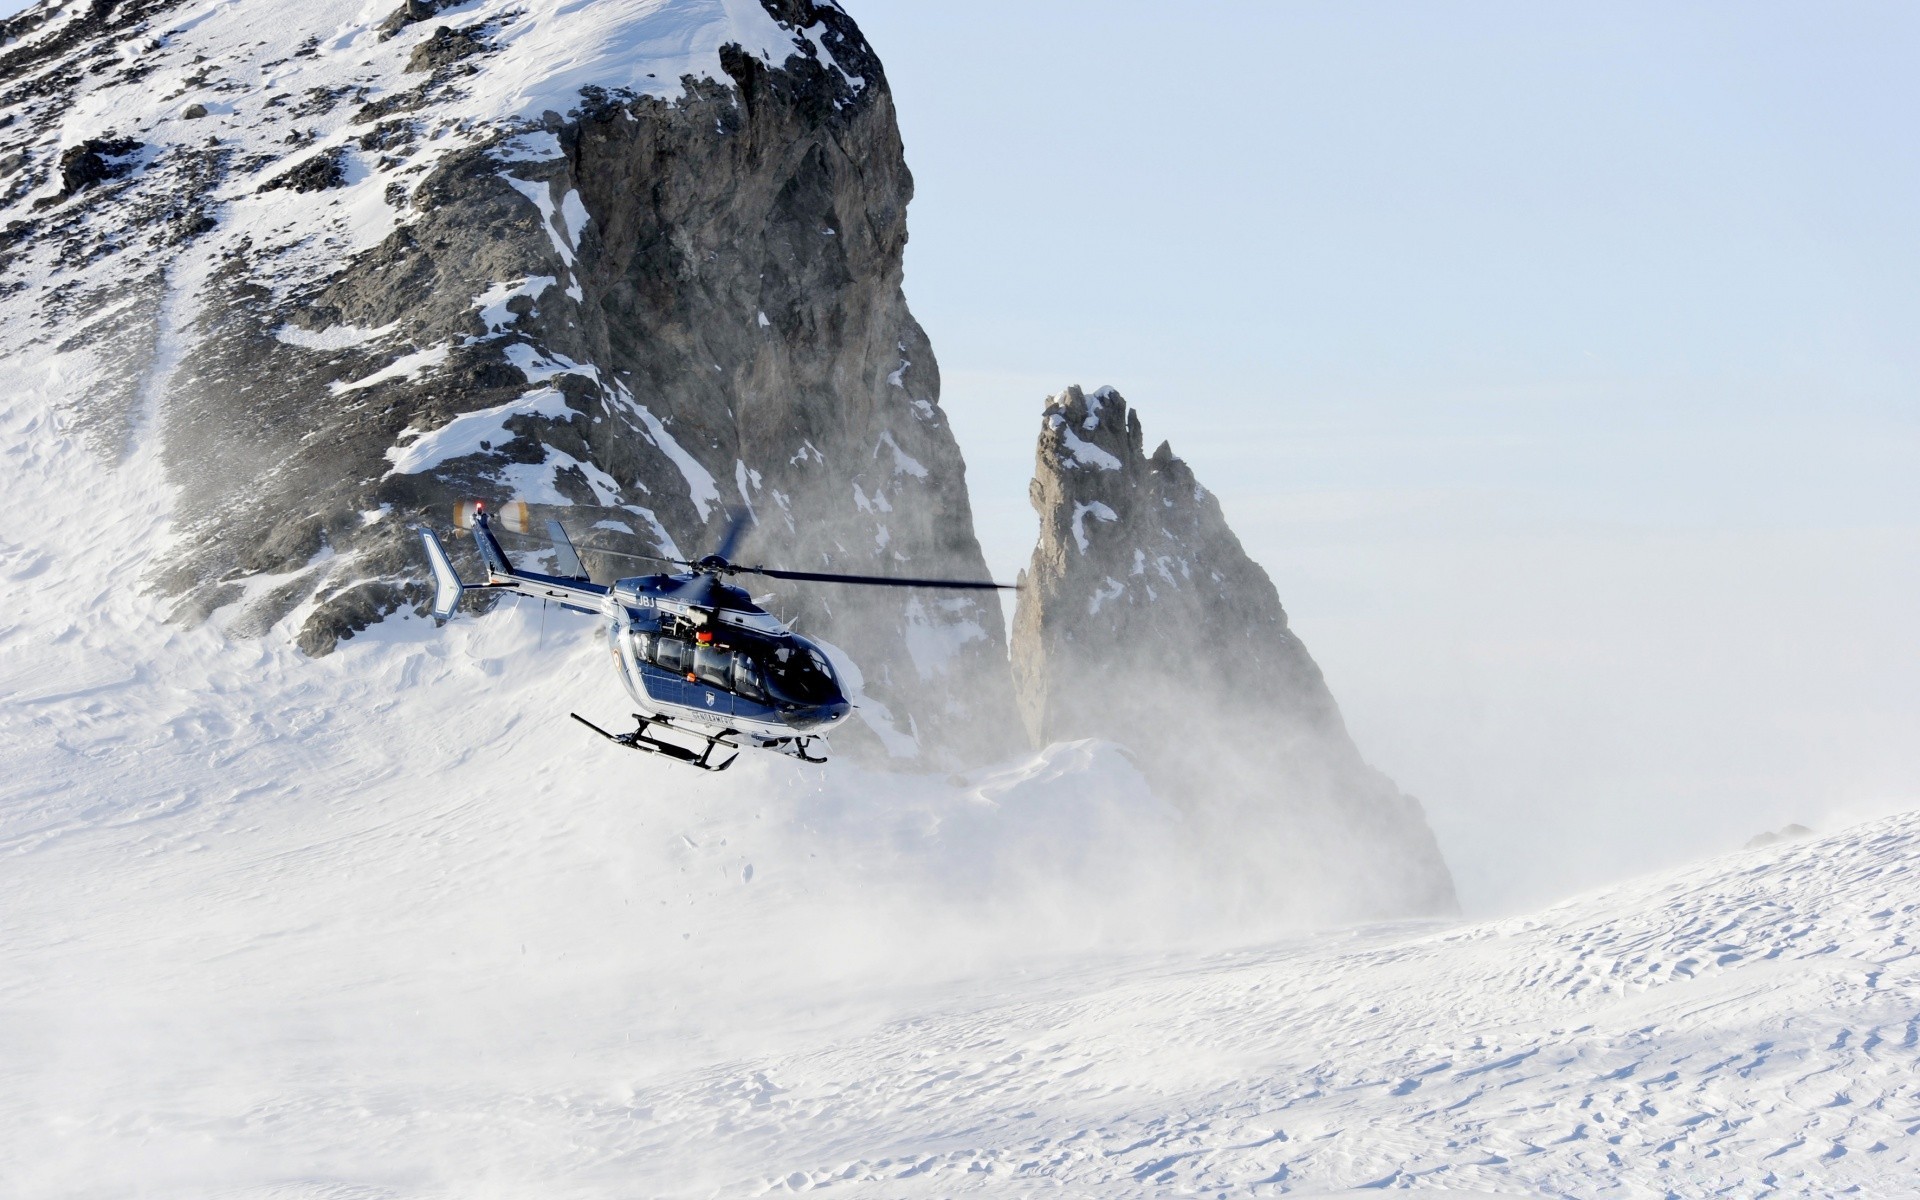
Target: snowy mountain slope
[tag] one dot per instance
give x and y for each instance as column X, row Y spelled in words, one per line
column 224, row 859
column 336, row 950
column 385, row 925
column 1745, row 1028
column 633, row 261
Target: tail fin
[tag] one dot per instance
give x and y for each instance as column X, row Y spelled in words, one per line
column 447, row 587
column 566, row 559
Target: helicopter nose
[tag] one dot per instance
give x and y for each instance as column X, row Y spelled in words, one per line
column 819, row 715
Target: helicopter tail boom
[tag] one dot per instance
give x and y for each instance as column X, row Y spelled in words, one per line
column 575, row 592
column 499, row 566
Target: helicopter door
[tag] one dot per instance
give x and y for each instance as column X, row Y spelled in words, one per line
column 713, row 671
column 668, row 661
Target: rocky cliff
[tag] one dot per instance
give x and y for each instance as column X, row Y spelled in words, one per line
column 634, row 262
column 1144, row 622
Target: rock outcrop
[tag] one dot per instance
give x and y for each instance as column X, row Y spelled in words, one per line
column 634, row 262
column 1144, row 622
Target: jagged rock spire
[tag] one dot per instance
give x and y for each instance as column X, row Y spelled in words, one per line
column 1132, row 546
column 1144, row 622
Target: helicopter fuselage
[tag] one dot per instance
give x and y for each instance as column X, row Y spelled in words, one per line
column 731, row 666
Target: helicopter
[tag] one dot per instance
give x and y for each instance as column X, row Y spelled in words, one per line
column 703, row 663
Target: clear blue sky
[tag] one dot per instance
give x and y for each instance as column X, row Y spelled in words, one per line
column 1559, row 362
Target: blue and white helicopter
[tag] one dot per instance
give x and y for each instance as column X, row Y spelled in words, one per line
column 698, row 657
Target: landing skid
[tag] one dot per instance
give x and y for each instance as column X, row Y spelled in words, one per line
column 794, row 748
column 640, row 739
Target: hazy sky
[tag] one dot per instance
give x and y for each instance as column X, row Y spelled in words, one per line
column 1559, row 362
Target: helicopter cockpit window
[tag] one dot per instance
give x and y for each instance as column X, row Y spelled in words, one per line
column 642, row 646
column 800, row 674
column 672, row 654
column 713, row 665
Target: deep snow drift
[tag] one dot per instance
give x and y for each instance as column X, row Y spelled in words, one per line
column 387, row 925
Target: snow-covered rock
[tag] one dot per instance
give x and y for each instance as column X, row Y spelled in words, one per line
column 1144, row 622
column 659, row 240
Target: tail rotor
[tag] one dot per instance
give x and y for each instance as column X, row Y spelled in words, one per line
column 513, row 515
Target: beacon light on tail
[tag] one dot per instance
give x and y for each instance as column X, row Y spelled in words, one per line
column 512, row 516
column 702, row 662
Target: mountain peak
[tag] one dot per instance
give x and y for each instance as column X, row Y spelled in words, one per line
column 1143, row 621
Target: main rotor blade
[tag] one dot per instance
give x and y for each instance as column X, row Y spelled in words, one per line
column 977, row 585
column 659, row 558
column 678, row 562
column 739, row 520
column 697, row 591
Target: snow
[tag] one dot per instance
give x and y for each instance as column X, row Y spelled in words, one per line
column 745, row 479
column 1109, row 589
column 875, row 715
column 877, row 502
column 662, row 541
column 564, row 224
column 388, row 924
column 1096, row 509
column 903, row 463
column 540, row 194
column 642, row 46
column 405, row 367
column 536, row 483
column 1096, row 401
column 1701, row 1035
column 538, row 146
column 573, row 211
column 492, row 304
column 538, row 367
column 1077, row 451
column 337, row 337
column 474, row 432
column 701, row 488
column 935, row 638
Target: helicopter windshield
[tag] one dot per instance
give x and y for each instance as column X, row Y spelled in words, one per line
column 799, row 673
